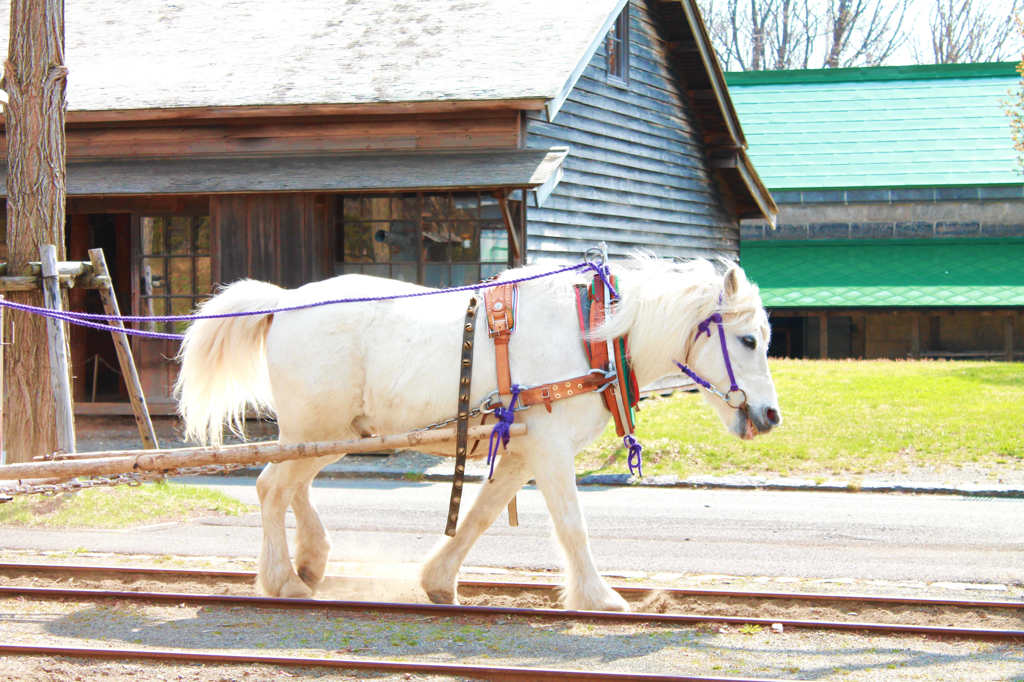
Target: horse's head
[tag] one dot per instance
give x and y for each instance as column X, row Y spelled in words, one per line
column 680, row 315
column 728, row 355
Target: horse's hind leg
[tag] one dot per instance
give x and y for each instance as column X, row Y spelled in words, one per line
column 278, row 486
column 585, row 588
column 312, row 546
column 439, row 571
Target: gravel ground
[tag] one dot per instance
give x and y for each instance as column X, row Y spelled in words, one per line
column 642, row 648
column 657, row 648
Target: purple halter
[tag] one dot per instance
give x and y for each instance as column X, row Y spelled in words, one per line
column 736, row 397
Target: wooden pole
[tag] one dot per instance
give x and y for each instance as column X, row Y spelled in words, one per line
column 3, row 452
column 124, row 354
column 513, row 236
column 1008, row 338
column 823, row 335
column 915, row 335
column 158, row 461
column 60, row 374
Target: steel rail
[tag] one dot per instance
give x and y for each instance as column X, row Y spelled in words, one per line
column 459, row 610
column 483, row 585
column 466, row 670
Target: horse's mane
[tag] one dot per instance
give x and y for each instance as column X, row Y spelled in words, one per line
column 662, row 302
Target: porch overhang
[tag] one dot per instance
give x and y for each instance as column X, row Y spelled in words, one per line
column 410, row 171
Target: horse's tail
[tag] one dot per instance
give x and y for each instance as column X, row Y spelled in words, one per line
column 223, row 362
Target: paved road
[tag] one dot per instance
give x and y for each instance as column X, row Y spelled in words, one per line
column 801, row 534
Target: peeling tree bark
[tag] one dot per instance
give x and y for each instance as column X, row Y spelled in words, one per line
column 35, row 80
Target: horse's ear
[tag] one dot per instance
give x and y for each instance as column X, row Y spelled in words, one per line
column 733, row 279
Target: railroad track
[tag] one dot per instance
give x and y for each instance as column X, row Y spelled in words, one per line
column 672, row 602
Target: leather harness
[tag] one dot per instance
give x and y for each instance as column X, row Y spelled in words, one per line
column 499, row 302
column 609, row 362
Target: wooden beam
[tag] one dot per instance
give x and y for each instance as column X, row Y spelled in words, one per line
column 185, row 114
column 33, row 283
column 1008, row 323
column 160, row 461
column 124, row 355
column 60, row 372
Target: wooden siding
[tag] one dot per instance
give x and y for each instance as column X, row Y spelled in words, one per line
column 280, row 238
column 637, row 173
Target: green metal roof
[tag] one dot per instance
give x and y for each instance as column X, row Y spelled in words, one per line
column 885, row 273
column 910, row 126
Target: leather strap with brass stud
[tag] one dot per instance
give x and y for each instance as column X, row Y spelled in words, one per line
column 462, row 417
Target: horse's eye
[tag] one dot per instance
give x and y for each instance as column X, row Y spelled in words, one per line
column 749, row 341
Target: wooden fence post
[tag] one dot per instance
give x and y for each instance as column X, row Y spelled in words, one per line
column 60, row 375
column 124, row 353
column 3, row 451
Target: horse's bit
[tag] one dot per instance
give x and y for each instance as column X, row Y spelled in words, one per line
column 735, row 397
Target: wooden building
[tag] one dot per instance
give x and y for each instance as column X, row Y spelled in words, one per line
column 901, row 210
column 435, row 141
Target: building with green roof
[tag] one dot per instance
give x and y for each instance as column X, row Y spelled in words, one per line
column 901, row 210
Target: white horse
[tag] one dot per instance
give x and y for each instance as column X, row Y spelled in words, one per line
column 355, row 369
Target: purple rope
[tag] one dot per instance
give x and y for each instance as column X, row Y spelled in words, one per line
column 705, row 328
column 69, row 316
column 693, row 375
column 75, row 318
column 636, row 452
column 500, row 435
column 603, row 271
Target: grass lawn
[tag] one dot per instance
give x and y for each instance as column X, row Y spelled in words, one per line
column 841, row 418
column 118, row 506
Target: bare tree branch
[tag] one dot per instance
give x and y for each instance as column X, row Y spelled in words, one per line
column 965, row 31
column 1015, row 105
column 783, row 34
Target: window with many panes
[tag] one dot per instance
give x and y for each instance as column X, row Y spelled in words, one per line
column 617, row 47
column 437, row 239
column 175, row 266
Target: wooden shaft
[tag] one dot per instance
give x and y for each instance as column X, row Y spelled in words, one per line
column 60, row 375
column 124, row 355
column 133, row 461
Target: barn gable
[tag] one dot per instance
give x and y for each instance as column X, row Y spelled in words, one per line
column 656, row 157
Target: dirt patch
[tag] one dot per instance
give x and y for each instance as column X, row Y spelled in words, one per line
column 406, row 589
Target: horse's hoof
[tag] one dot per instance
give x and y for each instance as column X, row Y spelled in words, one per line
column 311, row 577
column 610, row 601
column 295, row 589
column 442, row 597
column 614, row 602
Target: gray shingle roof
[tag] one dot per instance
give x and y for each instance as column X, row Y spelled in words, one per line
column 144, row 54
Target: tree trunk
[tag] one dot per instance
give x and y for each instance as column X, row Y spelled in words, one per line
column 35, row 79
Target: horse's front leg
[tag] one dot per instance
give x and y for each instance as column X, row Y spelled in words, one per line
column 585, row 588
column 439, row 571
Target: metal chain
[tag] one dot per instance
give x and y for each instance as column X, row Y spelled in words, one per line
column 7, row 493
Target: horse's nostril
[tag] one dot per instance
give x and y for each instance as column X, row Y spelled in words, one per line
column 772, row 415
